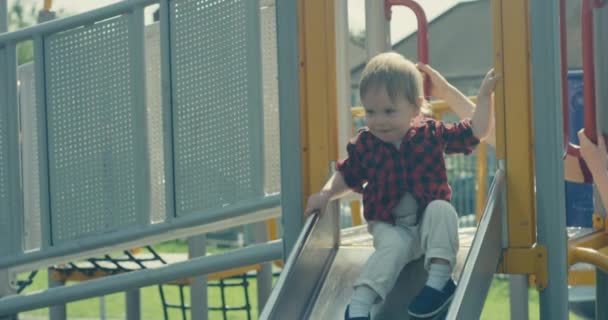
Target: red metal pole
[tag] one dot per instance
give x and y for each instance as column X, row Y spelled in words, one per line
column 423, row 34
column 588, row 70
column 564, row 64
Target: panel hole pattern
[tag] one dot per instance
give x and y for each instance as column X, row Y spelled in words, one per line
column 154, row 118
column 30, row 161
column 212, row 127
column 272, row 160
column 91, row 133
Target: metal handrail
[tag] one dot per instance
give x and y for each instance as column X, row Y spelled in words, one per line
column 254, row 254
column 79, row 20
column 221, row 218
column 590, row 127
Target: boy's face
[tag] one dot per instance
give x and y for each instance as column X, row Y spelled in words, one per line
column 386, row 119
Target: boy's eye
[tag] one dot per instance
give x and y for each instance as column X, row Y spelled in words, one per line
column 389, row 111
column 369, row 112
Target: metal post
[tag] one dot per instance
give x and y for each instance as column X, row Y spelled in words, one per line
column 551, row 222
column 289, row 120
column 518, row 296
column 137, row 48
column 6, row 289
column 58, row 311
column 197, row 247
column 377, row 28
column 133, row 304
column 345, row 123
column 601, row 293
column 264, row 276
column 601, row 98
column 102, row 308
column 3, row 16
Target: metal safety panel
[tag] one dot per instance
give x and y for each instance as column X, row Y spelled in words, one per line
column 5, row 217
column 270, row 74
column 217, row 109
column 154, row 121
column 29, row 157
column 91, row 130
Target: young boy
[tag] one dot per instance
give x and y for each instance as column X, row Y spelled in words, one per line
column 397, row 162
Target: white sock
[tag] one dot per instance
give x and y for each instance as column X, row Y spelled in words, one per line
column 361, row 301
column 439, row 274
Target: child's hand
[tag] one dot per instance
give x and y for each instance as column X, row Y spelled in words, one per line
column 594, row 155
column 316, row 202
column 439, row 85
column 488, row 84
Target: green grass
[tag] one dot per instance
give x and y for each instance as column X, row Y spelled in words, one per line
column 496, row 307
column 151, row 303
column 497, row 303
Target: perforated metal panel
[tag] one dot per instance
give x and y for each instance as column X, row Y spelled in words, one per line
column 91, row 132
column 5, row 219
column 272, row 157
column 31, row 182
column 217, row 113
column 154, row 114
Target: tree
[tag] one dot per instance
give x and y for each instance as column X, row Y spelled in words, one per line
column 22, row 15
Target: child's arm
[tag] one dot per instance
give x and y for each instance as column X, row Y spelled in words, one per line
column 460, row 104
column 349, row 175
column 442, row 89
column 595, row 157
column 333, row 188
column 482, row 117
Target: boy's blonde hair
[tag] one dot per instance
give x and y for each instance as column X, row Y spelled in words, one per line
column 398, row 75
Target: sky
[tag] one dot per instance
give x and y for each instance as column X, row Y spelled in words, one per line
column 403, row 21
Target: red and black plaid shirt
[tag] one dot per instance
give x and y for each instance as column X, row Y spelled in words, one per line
column 418, row 167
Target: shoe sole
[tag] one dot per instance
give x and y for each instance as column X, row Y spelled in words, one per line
column 434, row 313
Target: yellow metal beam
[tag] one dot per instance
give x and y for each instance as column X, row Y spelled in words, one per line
column 581, row 277
column 47, row 5
column 317, row 91
column 592, row 249
column 531, row 261
column 514, row 117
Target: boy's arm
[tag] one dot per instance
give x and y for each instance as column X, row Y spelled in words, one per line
column 600, row 178
column 335, row 187
column 572, row 169
column 348, row 176
column 442, row 89
column 595, row 156
column 458, row 102
column 482, row 117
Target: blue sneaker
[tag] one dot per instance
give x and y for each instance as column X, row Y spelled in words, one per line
column 429, row 302
column 347, row 316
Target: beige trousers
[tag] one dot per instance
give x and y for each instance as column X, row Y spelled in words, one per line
column 396, row 245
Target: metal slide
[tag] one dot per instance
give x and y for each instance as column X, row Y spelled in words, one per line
column 316, row 282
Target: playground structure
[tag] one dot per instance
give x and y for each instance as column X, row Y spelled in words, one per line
column 99, row 184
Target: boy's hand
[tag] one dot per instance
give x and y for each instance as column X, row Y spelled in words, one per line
column 488, row 84
column 316, row 202
column 439, row 85
column 594, row 155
